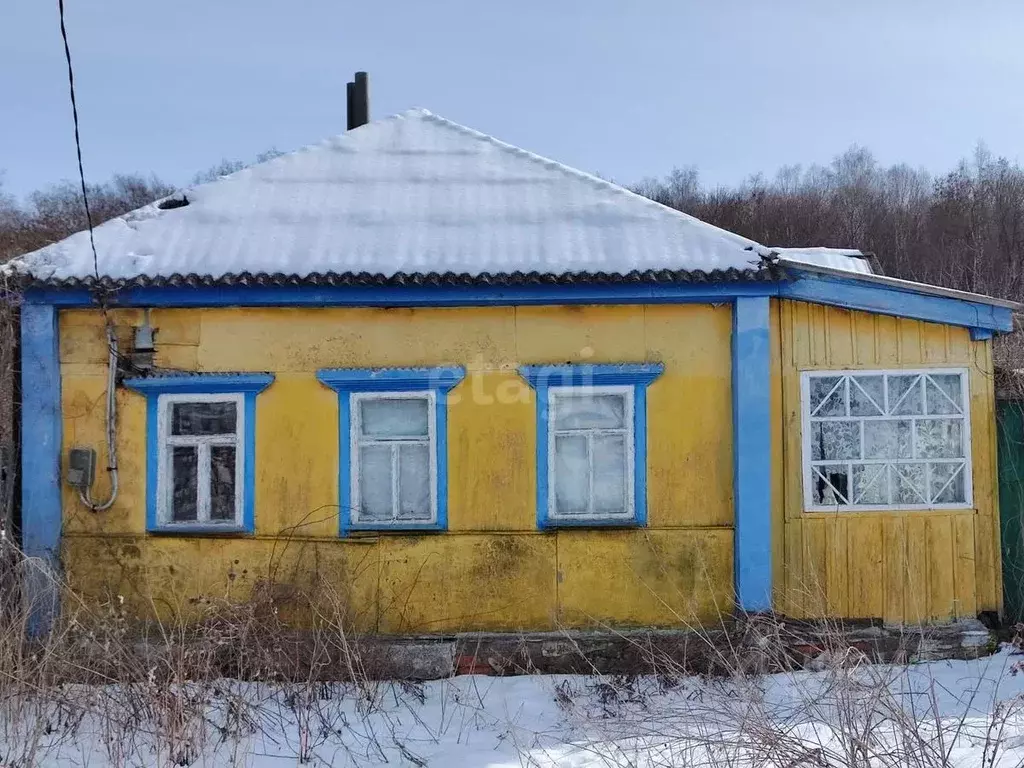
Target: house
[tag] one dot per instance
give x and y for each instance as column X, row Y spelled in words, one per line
column 473, row 389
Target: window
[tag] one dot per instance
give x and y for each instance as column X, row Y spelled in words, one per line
column 200, row 475
column 590, row 451
column 591, row 443
column 201, row 446
column 886, row 440
column 393, row 458
column 393, row 448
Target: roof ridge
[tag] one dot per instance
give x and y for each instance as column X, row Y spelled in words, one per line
column 583, row 175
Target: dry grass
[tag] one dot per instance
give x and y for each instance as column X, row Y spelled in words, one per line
column 206, row 691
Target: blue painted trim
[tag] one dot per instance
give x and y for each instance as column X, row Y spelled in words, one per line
column 847, row 292
column 390, row 379
column 41, row 434
column 981, row 334
column 639, row 376
column 202, row 383
column 752, row 486
column 408, row 296
column 247, row 384
column 346, row 381
column 850, row 293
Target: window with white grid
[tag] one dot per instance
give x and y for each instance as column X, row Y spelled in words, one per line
column 886, row 440
column 393, row 458
column 201, row 460
column 590, row 453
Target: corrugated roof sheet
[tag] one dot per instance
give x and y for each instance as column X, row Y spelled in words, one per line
column 414, row 194
column 845, row 259
column 412, row 199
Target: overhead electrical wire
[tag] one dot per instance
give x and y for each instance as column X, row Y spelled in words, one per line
column 111, row 417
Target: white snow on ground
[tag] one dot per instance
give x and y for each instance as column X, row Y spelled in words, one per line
column 954, row 714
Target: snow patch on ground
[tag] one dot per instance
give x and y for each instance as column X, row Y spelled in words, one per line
column 951, row 713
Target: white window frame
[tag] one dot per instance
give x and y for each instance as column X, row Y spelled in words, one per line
column 628, row 393
column 165, row 440
column 806, row 420
column 356, row 441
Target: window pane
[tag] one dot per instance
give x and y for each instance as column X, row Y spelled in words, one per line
column 589, row 411
column 869, row 484
column 610, row 474
column 184, row 482
column 222, row 482
column 867, row 396
column 905, row 395
column 414, row 483
column 825, row 401
column 831, row 485
column 944, row 394
column 395, row 417
column 572, row 475
column 374, row 483
column 203, row 418
column 940, row 439
column 908, row 483
column 887, row 440
column 947, row 483
column 832, row 440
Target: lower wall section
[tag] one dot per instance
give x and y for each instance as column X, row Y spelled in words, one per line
column 424, row 584
column 914, row 568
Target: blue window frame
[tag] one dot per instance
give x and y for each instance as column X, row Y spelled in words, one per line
column 200, row 451
column 392, row 447
column 591, row 443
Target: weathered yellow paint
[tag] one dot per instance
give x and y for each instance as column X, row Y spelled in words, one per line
column 462, row 582
column 492, row 570
column 689, row 463
column 901, row 566
column 643, row 578
column 494, row 488
column 171, row 578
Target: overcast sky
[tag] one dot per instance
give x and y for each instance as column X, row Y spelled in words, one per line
column 624, row 88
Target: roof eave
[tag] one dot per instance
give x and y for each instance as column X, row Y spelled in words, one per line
column 905, row 285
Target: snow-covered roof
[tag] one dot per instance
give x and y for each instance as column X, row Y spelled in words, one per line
column 845, row 259
column 411, row 195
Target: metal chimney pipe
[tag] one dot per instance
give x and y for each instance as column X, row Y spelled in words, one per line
column 358, row 97
column 350, row 94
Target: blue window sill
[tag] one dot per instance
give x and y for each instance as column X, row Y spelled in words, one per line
column 395, row 528
column 200, row 530
column 547, row 524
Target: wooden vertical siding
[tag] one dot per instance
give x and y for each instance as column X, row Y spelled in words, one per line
column 902, row 566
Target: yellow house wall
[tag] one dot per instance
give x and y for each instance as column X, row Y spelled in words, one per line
column 492, row 570
column 903, row 566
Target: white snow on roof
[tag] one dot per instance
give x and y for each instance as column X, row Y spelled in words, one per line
column 413, row 193
column 846, row 259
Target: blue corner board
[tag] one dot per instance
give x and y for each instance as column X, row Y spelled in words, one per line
column 346, row 381
column 41, row 429
column 247, row 384
column 638, row 375
column 752, row 454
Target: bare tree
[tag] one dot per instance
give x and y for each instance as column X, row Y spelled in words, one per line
column 963, row 230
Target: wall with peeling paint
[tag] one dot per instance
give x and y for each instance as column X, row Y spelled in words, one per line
column 492, row 570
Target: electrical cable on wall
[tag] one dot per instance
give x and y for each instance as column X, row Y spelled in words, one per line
column 111, row 414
